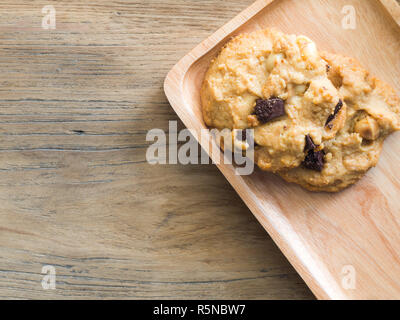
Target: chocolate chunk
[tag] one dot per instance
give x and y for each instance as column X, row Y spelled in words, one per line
column 246, row 135
column 328, row 67
column 241, row 135
column 332, row 116
column 310, row 145
column 338, row 106
column 269, row 109
column 314, row 160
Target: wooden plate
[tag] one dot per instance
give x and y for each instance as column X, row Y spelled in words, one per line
column 344, row 245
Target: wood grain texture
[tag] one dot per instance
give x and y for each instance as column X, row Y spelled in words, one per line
column 393, row 7
column 75, row 189
column 329, row 238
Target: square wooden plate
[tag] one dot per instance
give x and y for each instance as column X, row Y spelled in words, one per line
column 344, row 245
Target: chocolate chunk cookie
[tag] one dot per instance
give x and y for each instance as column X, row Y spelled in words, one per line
column 278, row 85
column 319, row 119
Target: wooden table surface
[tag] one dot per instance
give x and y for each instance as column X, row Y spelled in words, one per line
column 76, row 191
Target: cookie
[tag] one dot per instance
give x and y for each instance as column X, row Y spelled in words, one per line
column 373, row 112
column 278, row 85
column 319, row 119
